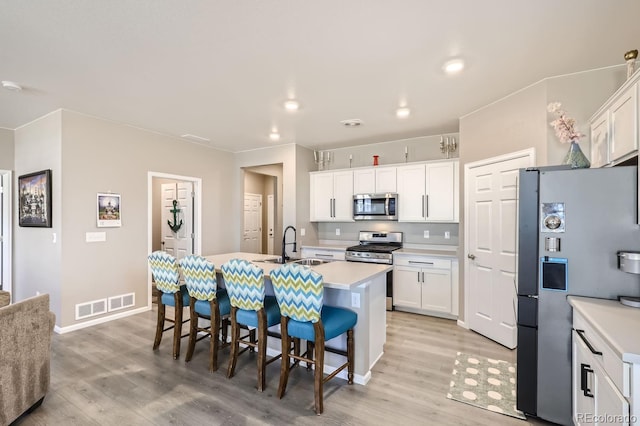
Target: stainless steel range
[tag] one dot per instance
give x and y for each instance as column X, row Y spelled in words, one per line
column 377, row 247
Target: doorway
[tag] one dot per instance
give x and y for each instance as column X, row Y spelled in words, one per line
column 491, row 242
column 186, row 237
column 264, row 181
column 5, row 230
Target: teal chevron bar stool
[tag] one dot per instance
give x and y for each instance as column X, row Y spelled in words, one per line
column 166, row 276
column 244, row 282
column 207, row 302
column 300, row 292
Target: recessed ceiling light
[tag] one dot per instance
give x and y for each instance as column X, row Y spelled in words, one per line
column 352, row 122
column 453, row 66
column 291, row 105
column 10, row 85
column 403, row 112
column 274, row 136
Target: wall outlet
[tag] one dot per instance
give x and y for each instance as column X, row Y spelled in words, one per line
column 447, row 235
column 337, row 231
column 426, row 234
column 355, row 300
column 302, row 232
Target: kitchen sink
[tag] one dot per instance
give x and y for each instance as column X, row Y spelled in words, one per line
column 268, row 260
column 310, row 262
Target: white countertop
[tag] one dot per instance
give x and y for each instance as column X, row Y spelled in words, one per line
column 337, row 274
column 617, row 324
column 430, row 251
column 328, row 247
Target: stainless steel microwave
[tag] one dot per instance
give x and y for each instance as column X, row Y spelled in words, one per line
column 375, row 206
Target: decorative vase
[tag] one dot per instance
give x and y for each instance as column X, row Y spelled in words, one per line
column 576, row 158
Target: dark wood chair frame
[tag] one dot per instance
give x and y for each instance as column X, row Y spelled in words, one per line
column 314, row 356
column 213, row 331
column 177, row 322
column 251, row 344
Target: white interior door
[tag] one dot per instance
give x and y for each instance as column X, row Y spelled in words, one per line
column 491, row 201
column 252, row 228
column 270, row 222
column 177, row 240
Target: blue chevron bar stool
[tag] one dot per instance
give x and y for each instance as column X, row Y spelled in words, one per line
column 166, row 276
column 299, row 292
column 207, row 302
column 244, row 282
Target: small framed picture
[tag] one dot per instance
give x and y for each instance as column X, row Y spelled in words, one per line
column 34, row 199
column 109, row 213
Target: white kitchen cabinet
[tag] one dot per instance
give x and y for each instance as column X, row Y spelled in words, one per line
column 428, row 192
column 331, row 196
column 602, row 381
column 374, row 180
column 323, row 253
column 426, row 285
column 614, row 127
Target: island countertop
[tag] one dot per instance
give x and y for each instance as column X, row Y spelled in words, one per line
column 337, row 274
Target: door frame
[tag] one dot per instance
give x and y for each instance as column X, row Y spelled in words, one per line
column 197, row 216
column 529, row 152
column 7, row 215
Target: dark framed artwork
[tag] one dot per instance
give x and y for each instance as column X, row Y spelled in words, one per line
column 34, row 199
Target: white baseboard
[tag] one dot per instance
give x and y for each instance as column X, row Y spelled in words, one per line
column 462, row 324
column 74, row 327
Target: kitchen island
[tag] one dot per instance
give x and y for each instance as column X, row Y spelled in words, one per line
column 360, row 287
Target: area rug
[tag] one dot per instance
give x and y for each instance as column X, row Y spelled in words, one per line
column 485, row 383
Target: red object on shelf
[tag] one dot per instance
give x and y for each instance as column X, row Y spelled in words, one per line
column 375, row 160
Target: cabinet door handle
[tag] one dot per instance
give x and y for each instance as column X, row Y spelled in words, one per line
column 586, row 342
column 585, row 369
column 418, row 276
column 423, row 278
column 334, row 207
column 423, row 206
column 427, row 204
column 421, row 263
column 323, row 255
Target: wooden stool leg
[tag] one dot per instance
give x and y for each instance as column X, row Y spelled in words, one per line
column 310, row 349
column 319, row 363
column 262, row 348
column 235, row 345
column 225, row 328
column 193, row 329
column 215, row 335
column 252, row 339
column 159, row 324
column 286, row 348
column 350, row 355
column 177, row 330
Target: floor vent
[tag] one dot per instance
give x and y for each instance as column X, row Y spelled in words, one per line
column 90, row 309
column 122, row 301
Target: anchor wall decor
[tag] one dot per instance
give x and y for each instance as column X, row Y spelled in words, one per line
column 176, row 226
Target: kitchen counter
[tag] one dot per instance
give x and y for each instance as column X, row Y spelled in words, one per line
column 360, row 287
column 617, row 324
column 448, row 251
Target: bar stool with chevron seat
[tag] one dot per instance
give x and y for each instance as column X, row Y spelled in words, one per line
column 207, row 302
column 166, row 275
column 299, row 291
column 244, row 282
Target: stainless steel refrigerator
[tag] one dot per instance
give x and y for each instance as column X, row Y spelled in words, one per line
column 571, row 224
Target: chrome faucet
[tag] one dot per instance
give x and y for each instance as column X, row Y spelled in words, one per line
column 284, row 257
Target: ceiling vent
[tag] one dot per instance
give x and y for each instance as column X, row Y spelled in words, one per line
column 352, row 122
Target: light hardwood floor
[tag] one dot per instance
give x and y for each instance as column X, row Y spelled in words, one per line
column 109, row 375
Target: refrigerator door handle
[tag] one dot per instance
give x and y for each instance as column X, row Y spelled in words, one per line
column 586, row 342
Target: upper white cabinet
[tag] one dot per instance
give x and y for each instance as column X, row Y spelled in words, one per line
column 614, row 127
column 374, row 180
column 428, row 192
column 331, row 196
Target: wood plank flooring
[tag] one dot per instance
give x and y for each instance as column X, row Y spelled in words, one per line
column 109, row 375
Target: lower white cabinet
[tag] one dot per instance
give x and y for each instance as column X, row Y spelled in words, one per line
column 322, row 253
column 597, row 399
column 427, row 285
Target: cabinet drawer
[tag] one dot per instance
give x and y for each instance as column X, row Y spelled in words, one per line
column 616, row 369
column 323, row 254
column 422, row 262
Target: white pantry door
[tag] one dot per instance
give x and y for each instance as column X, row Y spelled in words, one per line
column 252, row 232
column 270, row 222
column 491, row 200
column 178, row 243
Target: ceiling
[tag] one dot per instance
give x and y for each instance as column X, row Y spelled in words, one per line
column 221, row 70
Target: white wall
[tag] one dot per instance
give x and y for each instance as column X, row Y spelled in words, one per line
column 6, row 149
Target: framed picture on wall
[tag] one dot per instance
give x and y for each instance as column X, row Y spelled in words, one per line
column 34, row 199
column 109, row 213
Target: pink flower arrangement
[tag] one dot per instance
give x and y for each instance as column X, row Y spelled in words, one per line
column 563, row 125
